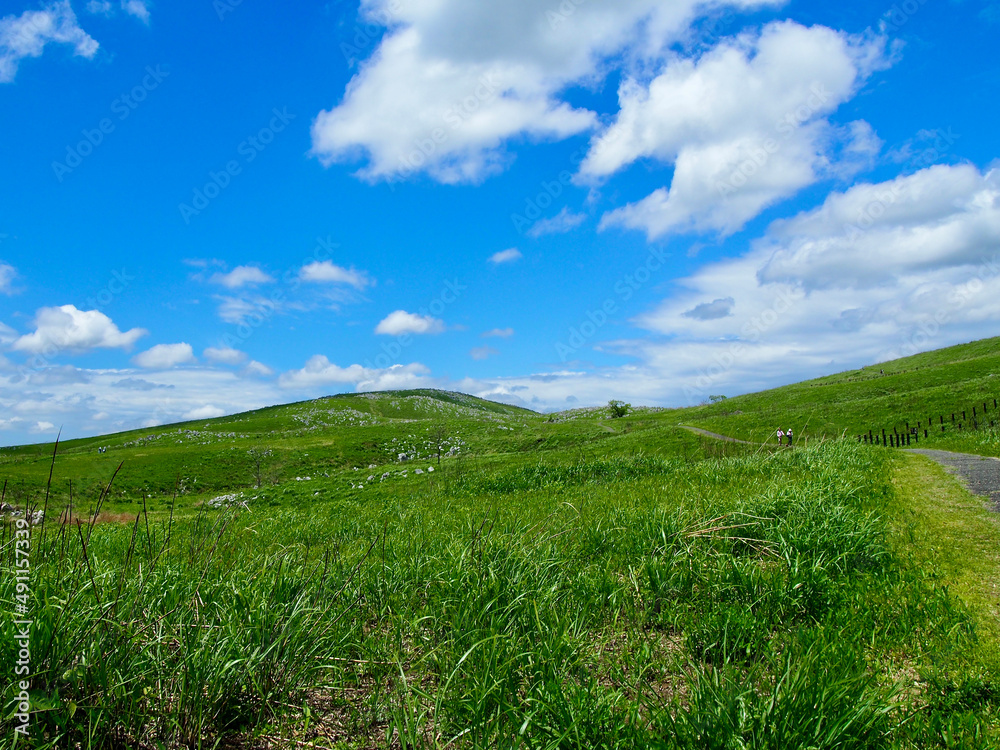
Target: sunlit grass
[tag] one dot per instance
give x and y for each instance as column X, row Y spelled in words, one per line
column 552, row 600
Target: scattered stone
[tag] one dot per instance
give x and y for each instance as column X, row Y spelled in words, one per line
column 225, row 501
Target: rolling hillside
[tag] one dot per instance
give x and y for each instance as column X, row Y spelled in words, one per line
column 887, row 395
column 338, row 438
column 315, row 575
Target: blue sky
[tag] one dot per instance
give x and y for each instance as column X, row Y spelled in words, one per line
column 207, row 207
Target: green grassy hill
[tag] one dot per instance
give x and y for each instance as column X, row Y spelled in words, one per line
column 339, row 438
column 313, row 575
column 920, row 388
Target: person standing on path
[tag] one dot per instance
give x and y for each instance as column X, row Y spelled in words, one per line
column 789, row 434
column 780, row 435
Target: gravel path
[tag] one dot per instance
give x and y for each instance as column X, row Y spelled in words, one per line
column 980, row 474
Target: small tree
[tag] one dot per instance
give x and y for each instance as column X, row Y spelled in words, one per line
column 716, row 399
column 259, row 458
column 438, row 435
column 618, row 408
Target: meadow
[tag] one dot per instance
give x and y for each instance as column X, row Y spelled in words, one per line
column 427, row 570
column 889, row 395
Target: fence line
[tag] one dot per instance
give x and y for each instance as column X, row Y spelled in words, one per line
column 911, row 434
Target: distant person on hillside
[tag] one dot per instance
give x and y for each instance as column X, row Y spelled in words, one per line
column 789, row 434
column 780, row 435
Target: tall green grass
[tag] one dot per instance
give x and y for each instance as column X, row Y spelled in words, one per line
column 611, row 602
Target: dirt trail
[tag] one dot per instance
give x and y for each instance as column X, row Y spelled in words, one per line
column 716, row 435
column 980, row 474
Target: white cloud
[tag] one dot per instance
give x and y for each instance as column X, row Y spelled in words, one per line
column 562, row 222
column 7, row 274
column 205, row 412
column 506, row 256
column 137, row 8
column 877, row 272
column 942, row 216
column 239, row 310
column 452, row 81
column 320, row 372
column 224, row 355
column 68, row 329
column 257, row 369
column 400, row 377
column 7, row 334
column 482, row 352
column 744, row 126
column 165, row 356
column 401, row 322
column 241, row 276
column 163, row 396
column 327, row 272
column 503, row 333
column 27, row 34
column 42, row 427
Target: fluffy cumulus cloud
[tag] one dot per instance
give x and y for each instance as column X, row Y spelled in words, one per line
column 325, row 272
column 165, row 356
column 878, row 271
column 452, row 81
column 67, row 329
column 320, row 372
column 208, row 411
column 224, row 355
column 401, row 322
column 939, row 217
column 27, row 35
column 744, row 126
column 241, row 276
column 506, row 256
